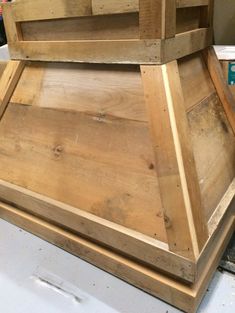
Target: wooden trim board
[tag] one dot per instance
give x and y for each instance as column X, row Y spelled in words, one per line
column 25, row 10
column 182, row 296
column 8, row 82
column 152, row 51
column 114, row 236
column 157, row 42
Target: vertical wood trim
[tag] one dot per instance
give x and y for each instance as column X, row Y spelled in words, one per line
column 220, row 84
column 157, row 19
column 8, row 82
column 206, row 14
column 178, row 183
column 13, row 31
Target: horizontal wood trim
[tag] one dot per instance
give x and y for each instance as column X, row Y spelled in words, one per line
column 129, row 242
column 186, row 43
column 175, row 292
column 26, row 10
column 100, row 7
column 191, row 3
column 151, row 51
column 102, row 51
column 141, row 276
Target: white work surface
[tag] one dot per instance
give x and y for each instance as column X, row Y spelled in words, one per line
column 37, row 277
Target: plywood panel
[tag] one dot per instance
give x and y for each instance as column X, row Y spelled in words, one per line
column 112, row 90
column 103, row 166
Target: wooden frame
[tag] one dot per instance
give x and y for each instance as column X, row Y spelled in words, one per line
column 157, row 42
column 177, row 269
column 177, row 272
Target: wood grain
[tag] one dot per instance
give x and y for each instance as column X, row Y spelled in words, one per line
column 110, row 159
column 113, row 90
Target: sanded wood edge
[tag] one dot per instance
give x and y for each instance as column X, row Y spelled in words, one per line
column 151, row 51
column 221, row 210
column 220, row 84
column 184, row 297
column 131, row 243
column 8, row 82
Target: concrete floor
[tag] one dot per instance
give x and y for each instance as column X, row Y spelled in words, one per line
column 37, row 277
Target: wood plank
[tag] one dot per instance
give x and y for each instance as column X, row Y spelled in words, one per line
column 144, row 278
column 112, row 90
column 26, row 10
column 187, row 19
column 13, row 31
column 3, row 65
column 120, row 26
column 206, row 15
column 165, row 107
column 100, row 7
column 185, row 44
column 8, row 82
column 195, row 80
column 102, row 51
column 126, row 241
column 222, row 210
column 221, row 86
column 110, row 158
column 191, row 3
column 182, row 296
column 214, row 151
column 114, row 51
column 157, row 19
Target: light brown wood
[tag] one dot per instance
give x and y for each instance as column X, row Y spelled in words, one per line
column 195, row 80
column 114, row 236
column 100, row 7
column 120, row 26
column 101, row 51
column 157, row 19
column 223, row 91
column 25, row 10
column 186, row 44
column 3, row 65
column 112, row 90
column 124, row 189
column 214, row 151
column 167, row 118
column 184, row 297
column 191, row 3
column 113, row 51
column 8, row 82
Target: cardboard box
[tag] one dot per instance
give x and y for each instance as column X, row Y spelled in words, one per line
column 226, row 55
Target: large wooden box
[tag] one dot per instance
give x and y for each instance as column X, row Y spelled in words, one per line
column 129, row 166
